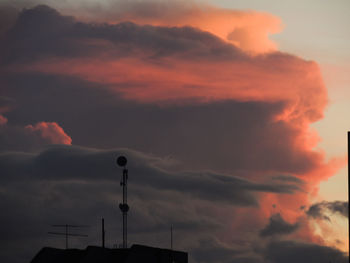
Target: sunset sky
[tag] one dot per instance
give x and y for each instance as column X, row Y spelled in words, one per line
column 232, row 114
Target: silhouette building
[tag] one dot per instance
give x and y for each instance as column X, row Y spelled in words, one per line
column 92, row 254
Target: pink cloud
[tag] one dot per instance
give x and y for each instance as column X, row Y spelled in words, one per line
column 3, row 120
column 50, row 131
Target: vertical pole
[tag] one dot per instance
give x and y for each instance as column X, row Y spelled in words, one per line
column 125, row 211
column 124, row 217
column 103, row 232
column 66, row 236
column 348, row 188
column 171, row 237
column 171, row 244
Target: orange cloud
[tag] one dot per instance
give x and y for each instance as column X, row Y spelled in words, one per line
column 248, row 30
column 50, row 131
column 285, row 78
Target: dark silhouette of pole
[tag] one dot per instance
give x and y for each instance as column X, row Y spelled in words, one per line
column 103, row 232
column 66, row 236
column 171, row 237
column 171, row 244
column 121, row 161
column 348, row 188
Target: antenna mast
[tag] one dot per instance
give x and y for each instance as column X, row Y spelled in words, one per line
column 103, row 232
column 348, row 187
column 171, row 237
column 124, row 208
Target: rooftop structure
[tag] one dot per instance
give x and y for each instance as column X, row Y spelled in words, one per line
column 92, row 254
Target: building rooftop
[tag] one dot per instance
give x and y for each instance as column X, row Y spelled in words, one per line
column 92, row 254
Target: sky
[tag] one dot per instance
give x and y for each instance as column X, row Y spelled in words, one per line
column 232, row 115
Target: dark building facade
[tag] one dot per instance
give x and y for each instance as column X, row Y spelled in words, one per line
column 92, row 254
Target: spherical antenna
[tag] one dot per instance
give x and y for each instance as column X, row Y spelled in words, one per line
column 121, row 161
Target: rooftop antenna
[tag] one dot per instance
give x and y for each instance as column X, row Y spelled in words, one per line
column 66, row 233
column 348, row 187
column 121, row 161
column 171, row 244
column 171, row 237
column 103, row 232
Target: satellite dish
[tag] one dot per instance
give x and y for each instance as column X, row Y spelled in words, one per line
column 124, row 207
column 121, row 161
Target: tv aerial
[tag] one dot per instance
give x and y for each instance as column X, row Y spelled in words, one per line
column 67, row 233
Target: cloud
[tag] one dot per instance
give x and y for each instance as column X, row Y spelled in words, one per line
column 278, row 226
column 292, row 251
column 170, row 60
column 174, row 63
column 288, row 178
column 6, row 104
column 8, row 16
column 50, row 131
column 3, row 120
column 70, row 184
column 71, row 163
column 70, row 38
column 211, row 250
column 318, row 210
column 249, row 30
column 226, row 128
column 176, row 66
column 29, row 137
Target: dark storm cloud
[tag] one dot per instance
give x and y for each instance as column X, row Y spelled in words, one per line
column 17, row 138
column 42, row 32
column 74, row 163
column 278, row 226
column 292, row 251
column 318, row 210
column 210, row 250
column 340, row 207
